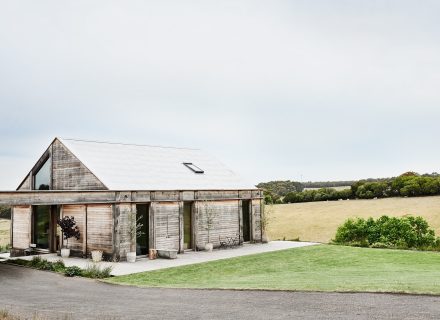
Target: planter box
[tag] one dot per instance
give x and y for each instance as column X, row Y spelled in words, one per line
column 167, row 254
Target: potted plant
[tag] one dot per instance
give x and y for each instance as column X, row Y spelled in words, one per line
column 135, row 231
column 70, row 230
column 210, row 215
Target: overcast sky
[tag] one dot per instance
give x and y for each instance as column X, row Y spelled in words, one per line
column 300, row 90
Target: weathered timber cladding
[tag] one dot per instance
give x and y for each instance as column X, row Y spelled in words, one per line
column 226, row 222
column 187, row 195
column 166, row 216
column 246, row 194
column 22, row 225
column 100, row 228
column 125, row 241
column 256, row 220
column 207, row 195
column 79, row 213
column 26, row 184
column 69, row 173
column 166, row 195
column 141, row 196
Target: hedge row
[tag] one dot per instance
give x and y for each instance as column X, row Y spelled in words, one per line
column 91, row 271
column 388, row 232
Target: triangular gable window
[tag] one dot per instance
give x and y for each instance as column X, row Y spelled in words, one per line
column 42, row 177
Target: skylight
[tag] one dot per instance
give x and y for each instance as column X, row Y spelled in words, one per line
column 193, row 167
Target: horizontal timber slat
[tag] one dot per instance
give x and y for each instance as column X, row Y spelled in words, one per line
column 38, row 197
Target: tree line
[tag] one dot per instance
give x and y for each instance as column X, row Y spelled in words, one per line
column 409, row 184
column 5, row 212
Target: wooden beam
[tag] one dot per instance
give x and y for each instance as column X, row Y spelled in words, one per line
column 55, row 197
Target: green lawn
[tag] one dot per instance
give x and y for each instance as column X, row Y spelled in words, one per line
column 317, row 268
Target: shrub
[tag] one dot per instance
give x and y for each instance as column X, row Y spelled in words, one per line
column 36, row 262
column 5, row 248
column 390, row 232
column 268, row 198
column 73, row 271
column 96, row 272
column 58, row 266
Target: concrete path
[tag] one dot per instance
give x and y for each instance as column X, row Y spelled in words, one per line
column 48, row 295
column 190, row 257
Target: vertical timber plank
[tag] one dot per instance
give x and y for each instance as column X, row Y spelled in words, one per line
column 85, row 234
column 152, row 237
column 181, row 231
column 116, row 235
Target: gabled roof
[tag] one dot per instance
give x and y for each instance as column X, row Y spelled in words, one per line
column 140, row 167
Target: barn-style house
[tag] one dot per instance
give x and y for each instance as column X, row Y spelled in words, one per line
column 100, row 184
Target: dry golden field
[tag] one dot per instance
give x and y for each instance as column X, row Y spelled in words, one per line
column 5, row 226
column 318, row 221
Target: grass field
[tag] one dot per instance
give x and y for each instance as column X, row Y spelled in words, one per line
column 318, row 221
column 5, row 226
column 316, row 268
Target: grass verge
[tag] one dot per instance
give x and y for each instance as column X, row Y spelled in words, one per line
column 316, row 268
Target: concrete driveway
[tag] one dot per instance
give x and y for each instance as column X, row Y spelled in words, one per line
column 28, row 292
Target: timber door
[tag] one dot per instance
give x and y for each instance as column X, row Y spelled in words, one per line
column 142, row 238
column 245, row 204
column 187, row 225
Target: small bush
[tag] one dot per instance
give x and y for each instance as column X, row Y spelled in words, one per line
column 73, row 271
column 35, row 262
column 41, row 264
column 388, row 232
column 94, row 271
column 5, row 248
column 58, row 266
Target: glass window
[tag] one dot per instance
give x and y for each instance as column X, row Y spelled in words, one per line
column 41, row 226
column 42, row 177
column 193, row 167
column 142, row 218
